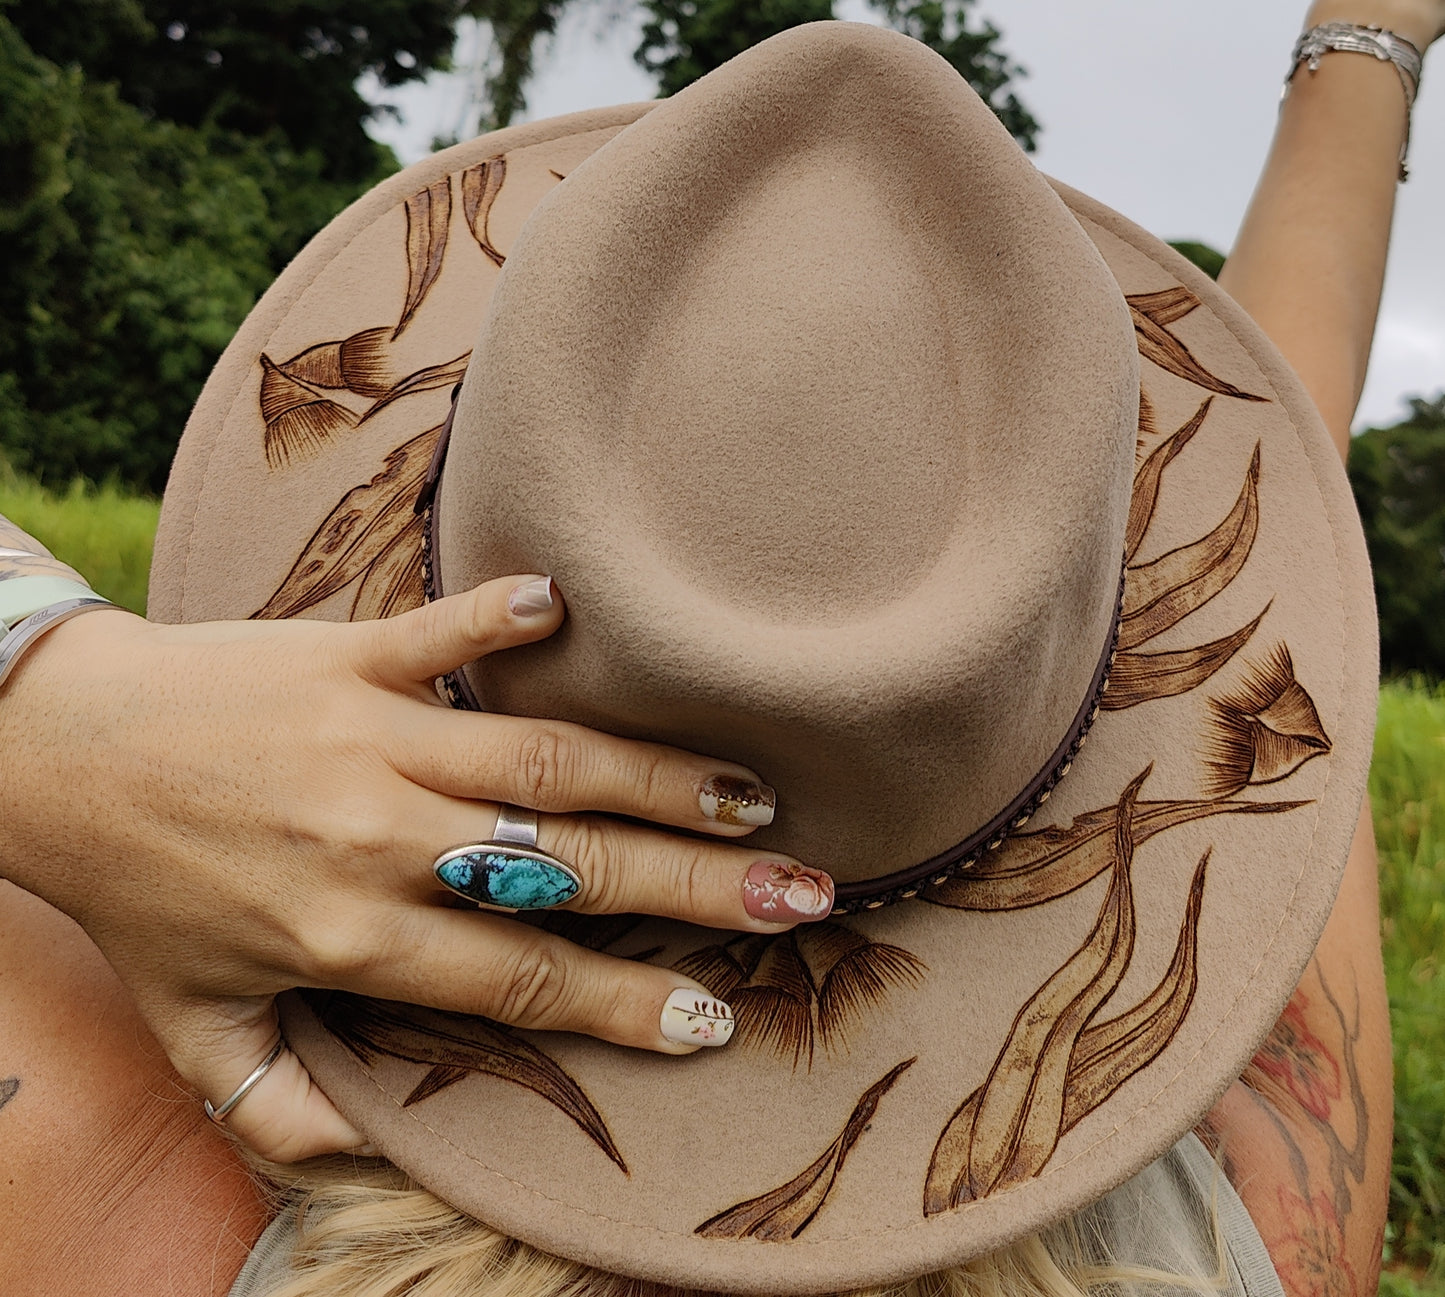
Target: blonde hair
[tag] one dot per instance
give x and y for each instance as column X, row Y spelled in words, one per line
column 366, row 1230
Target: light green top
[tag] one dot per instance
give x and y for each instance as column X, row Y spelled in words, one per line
column 23, row 596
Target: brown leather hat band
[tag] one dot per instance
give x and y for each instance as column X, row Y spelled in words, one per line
column 873, row 893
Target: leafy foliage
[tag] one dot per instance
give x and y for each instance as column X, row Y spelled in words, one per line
column 1209, row 260
column 684, row 39
column 253, row 67
column 134, row 247
column 1398, row 475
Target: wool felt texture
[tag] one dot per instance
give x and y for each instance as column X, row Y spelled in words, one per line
column 835, row 422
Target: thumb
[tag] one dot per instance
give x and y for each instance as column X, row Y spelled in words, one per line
column 417, row 647
column 283, row 1115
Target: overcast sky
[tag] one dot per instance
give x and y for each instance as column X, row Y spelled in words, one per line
column 1161, row 110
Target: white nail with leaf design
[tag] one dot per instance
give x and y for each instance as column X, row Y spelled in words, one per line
column 693, row 1017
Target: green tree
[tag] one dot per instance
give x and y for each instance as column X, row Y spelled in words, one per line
column 134, row 247
column 253, row 67
column 684, row 39
column 1398, row 475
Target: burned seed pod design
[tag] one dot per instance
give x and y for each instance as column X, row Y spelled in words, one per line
column 1265, row 730
column 480, row 186
column 298, row 418
column 812, row 984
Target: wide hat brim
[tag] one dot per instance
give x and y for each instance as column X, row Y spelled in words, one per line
column 911, row 1086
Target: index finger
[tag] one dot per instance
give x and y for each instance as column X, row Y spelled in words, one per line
column 558, row 767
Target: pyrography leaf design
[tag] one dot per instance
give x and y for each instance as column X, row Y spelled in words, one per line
column 1165, row 306
column 853, row 975
column 455, row 1046
column 298, row 417
column 357, row 532
column 394, row 583
column 423, row 380
column 360, row 363
column 773, row 1008
column 1266, row 730
column 1142, row 677
column 1153, row 313
column 1161, row 593
column 722, row 969
column 1034, row 868
column 1109, row 1053
column 1147, row 427
column 1007, row 1130
column 813, row 982
column 480, row 186
column 785, row 1212
column 428, row 219
column 1146, row 480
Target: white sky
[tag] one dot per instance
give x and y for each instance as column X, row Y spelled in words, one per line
column 1162, row 110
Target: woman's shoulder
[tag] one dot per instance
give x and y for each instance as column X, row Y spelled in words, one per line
column 115, row 1181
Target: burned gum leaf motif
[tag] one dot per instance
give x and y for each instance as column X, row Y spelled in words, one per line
column 394, row 582
column 357, row 532
column 1109, row 1053
column 1142, row 677
column 1152, row 314
column 1007, row 1130
column 455, row 1046
column 1161, row 593
column 1146, row 481
column 428, row 220
column 1265, row 730
column 480, row 186
column 298, row 418
column 785, row 1212
column 1035, row 868
column 1165, row 306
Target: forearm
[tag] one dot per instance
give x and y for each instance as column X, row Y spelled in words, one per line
column 23, row 555
column 1309, row 261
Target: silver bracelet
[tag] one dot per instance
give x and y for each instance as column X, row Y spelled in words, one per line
column 25, row 633
column 1384, row 45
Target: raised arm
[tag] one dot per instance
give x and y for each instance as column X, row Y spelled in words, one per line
column 1306, row 1132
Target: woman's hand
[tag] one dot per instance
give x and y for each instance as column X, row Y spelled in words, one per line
column 233, row 809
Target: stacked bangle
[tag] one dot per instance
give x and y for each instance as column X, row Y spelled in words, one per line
column 32, row 605
column 1379, row 43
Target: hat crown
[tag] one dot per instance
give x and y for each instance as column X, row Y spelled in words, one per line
column 821, row 408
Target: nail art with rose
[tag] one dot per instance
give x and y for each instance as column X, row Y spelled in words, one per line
column 777, row 892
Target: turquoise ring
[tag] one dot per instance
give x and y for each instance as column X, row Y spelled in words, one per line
column 508, row 873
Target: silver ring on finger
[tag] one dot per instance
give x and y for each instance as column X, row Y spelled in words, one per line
column 219, row 1114
column 509, row 872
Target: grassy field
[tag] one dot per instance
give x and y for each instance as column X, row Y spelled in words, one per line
column 1407, row 787
column 106, row 535
column 103, row 532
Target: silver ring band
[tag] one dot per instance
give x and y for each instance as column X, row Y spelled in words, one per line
column 508, row 872
column 516, row 824
column 219, row 1115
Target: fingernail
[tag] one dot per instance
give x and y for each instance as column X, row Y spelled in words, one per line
column 693, row 1017
column 730, row 800
column 530, row 599
column 366, row 1150
column 777, row 892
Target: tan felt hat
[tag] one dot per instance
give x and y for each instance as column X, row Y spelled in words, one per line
column 837, row 423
